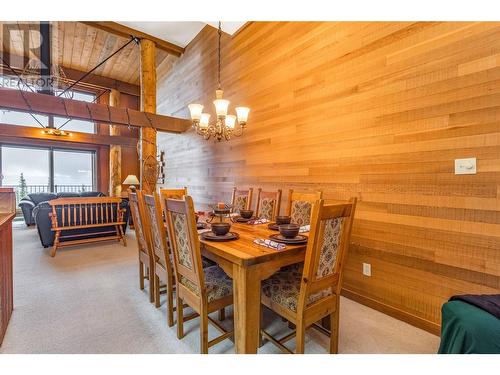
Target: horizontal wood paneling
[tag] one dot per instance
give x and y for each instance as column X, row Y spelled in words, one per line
column 377, row 110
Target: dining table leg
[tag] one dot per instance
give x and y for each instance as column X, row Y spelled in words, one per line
column 246, row 293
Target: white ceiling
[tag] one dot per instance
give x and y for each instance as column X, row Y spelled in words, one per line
column 180, row 33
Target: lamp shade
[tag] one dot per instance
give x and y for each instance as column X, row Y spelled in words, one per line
column 204, row 120
column 230, row 121
column 242, row 113
column 195, row 111
column 131, row 180
column 221, row 107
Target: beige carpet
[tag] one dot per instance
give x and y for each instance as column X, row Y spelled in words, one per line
column 87, row 300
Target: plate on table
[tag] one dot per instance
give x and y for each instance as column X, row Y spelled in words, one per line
column 200, row 225
column 298, row 240
column 240, row 219
column 211, row 236
column 273, row 226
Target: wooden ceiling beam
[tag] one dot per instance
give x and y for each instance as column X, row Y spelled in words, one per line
column 28, row 132
column 127, row 32
column 74, row 75
column 75, row 109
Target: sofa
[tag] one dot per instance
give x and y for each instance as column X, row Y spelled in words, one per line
column 41, row 215
column 32, row 200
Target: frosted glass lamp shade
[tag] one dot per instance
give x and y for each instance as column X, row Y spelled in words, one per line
column 195, row 111
column 242, row 113
column 131, row 180
column 221, row 106
column 230, row 121
column 204, row 120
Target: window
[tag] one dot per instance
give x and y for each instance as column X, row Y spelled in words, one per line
column 46, row 169
column 73, row 170
column 25, row 119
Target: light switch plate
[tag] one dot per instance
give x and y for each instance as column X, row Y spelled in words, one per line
column 367, row 269
column 465, row 166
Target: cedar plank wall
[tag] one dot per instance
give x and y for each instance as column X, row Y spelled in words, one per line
column 377, row 110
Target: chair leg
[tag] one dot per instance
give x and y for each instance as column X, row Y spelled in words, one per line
column 180, row 318
column 141, row 275
column 151, row 276
column 222, row 314
column 334, row 329
column 157, row 291
column 300, row 337
column 56, row 244
column 204, row 332
column 170, row 301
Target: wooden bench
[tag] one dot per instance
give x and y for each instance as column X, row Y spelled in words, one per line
column 69, row 214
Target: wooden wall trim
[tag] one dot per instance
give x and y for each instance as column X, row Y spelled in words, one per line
column 399, row 314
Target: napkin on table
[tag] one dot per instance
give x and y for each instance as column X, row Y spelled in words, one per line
column 258, row 221
column 304, row 228
column 270, row 244
column 200, row 231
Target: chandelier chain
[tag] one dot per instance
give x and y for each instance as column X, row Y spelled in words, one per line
column 220, row 35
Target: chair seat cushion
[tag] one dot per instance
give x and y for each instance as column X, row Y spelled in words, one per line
column 283, row 288
column 217, row 283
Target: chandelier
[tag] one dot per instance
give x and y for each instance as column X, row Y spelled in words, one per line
column 225, row 125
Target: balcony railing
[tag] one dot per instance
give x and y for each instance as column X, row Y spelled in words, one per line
column 29, row 189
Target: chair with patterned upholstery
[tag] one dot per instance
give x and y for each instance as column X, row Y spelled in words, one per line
column 146, row 259
column 300, row 206
column 310, row 292
column 158, row 246
column 172, row 194
column 241, row 199
column 268, row 204
column 204, row 290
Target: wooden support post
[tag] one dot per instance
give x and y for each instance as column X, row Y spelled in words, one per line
column 115, row 153
column 149, row 172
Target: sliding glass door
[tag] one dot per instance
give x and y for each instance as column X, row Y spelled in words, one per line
column 73, row 170
column 46, row 169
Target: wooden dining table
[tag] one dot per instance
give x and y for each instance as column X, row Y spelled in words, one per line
column 248, row 263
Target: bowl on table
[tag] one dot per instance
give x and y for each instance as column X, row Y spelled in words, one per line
column 221, row 229
column 246, row 214
column 283, row 220
column 289, row 230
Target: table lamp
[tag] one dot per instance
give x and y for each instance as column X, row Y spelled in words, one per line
column 131, row 180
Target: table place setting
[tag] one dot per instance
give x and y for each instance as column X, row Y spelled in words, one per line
column 270, row 244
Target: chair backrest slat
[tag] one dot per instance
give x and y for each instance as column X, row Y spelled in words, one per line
column 300, row 206
column 241, row 199
column 80, row 211
column 153, row 224
column 135, row 210
column 326, row 251
column 185, row 245
column 268, row 204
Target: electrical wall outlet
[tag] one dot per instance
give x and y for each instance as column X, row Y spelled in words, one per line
column 465, row 166
column 367, row 269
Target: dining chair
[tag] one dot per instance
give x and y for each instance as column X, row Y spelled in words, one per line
column 146, row 259
column 158, row 246
column 305, row 294
column 204, row 290
column 171, row 194
column 241, row 199
column 300, row 206
column 268, row 204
